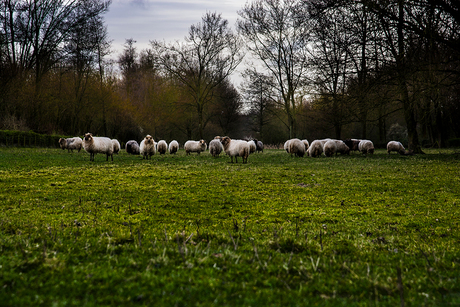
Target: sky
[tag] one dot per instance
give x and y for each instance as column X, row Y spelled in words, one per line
column 145, row 20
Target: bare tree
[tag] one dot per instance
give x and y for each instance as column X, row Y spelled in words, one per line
column 277, row 33
column 211, row 53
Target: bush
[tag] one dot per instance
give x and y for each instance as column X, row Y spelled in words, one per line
column 453, row 142
column 10, row 138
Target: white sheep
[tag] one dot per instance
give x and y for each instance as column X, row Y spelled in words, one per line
column 286, row 145
column 315, row 149
column 71, row 143
column 296, row 147
column 366, row 146
column 215, row 147
column 147, row 147
column 195, row 146
column 116, row 146
column 93, row 145
column 162, row 147
column 132, row 147
column 236, row 148
column 396, row 146
column 173, row 147
column 252, row 147
column 342, row 148
column 330, row 148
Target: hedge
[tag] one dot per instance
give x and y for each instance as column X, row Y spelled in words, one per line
column 10, row 138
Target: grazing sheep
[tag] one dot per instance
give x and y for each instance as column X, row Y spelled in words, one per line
column 315, row 149
column 296, row 147
column 330, row 148
column 132, row 147
column 353, row 144
column 116, row 146
column 252, row 147
column 147, row 147
column 93, row 145
column 306, row 144
column 342, row 148
column 286, row 145
column 215, row 147
column 259, row 146
column 396, row 146
column 173, row 147
column 236, row 148
column 366, row 146
column 162, row 147
column 195, row 146
column 71, row 143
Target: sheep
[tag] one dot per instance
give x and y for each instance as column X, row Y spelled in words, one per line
column 296, row 147
column 330, row 148
column 366, row 146
column 93, row 145
column 116, row 146
column 173, row 147
column 252, row 147
column 195, row 146
column 396, row 146
column 147, row 147
column 215, row 147
column 286, row 145
column 71, row 143
column 353, row 144
column 132, row 147
column 315, row 149
column 259, row 146
column 305, row 142
column 342, row 148
column 236, row 148
column 162, row 147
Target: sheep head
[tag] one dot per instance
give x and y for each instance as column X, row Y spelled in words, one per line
column 88, row 137
column 148, row 139
column 62, row 143
column 225, row 141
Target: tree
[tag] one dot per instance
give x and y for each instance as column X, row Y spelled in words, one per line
column 277, row 34
column 211, row 52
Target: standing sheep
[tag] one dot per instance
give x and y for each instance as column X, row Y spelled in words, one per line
column 366, row 147
column 215, row 147
column 195, row 146
column 116, row 146
column 252, row 147
column 132, row 147
column 342, row 148
column 173, row 147
column 93, row 145
column 307, row 145
column 147, row 148
column 296, row 147
column 259, row 145
column 71, row 143
column 353, row 144
column 396, row 146
column 162, row 147
column 330, row 148
column 315, row 149
column 236, row 148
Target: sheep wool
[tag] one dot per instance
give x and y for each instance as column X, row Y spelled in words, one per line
column 162, row 147
column 236, row 148
column 195, row 146
column 173, row 147
column 116, row 146
column 396, row 146
column 307, row 145
column 366, row 147
column 252, row 147
column 315, row 149
column 215, row 147
column 132, row 147
column 93, row 145
column 147, row 147
column 296, row 147
column 71, row 143
column 259, row 146
column 342, row 148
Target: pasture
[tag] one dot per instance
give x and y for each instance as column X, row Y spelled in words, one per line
column 194, row 230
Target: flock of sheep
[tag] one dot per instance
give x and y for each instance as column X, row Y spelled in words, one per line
column 233, row 148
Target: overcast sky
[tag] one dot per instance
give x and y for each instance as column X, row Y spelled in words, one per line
column 145, row 20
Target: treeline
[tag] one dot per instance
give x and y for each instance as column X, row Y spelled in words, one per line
column 367, row 69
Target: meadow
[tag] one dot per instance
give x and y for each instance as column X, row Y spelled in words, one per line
column 374, row 230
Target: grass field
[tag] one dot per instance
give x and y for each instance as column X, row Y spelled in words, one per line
column 197, row 231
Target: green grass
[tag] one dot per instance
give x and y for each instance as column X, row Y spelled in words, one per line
column 197, row 231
